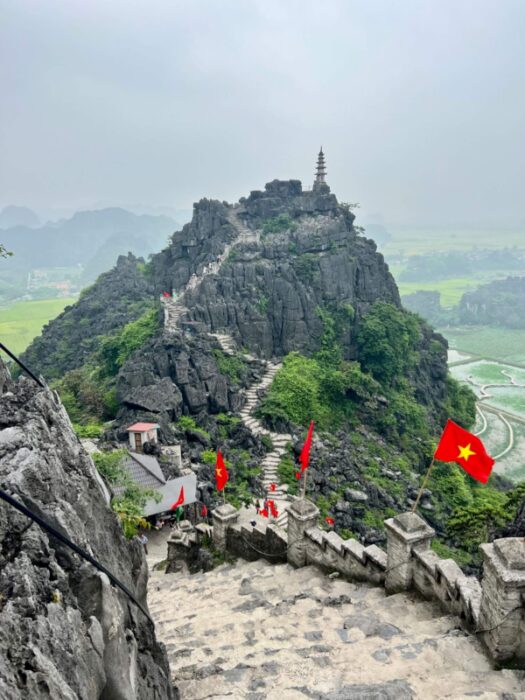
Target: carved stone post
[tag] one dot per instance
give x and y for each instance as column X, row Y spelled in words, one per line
column 302, row 515
column 223, row 518
column 405, row 533
column 502, row 605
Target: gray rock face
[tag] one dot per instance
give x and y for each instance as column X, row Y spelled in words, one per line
column 64, row 631
column 177, row 375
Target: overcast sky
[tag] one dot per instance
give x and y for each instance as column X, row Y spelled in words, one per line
column 419, row 104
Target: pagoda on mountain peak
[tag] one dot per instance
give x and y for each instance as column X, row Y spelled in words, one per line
column 320, row 175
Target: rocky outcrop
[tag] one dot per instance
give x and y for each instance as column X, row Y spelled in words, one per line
column 65, row 632
column 499, row 303
column 117, row 297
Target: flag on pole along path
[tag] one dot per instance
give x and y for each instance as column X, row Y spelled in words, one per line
column 221, row 473
column 180, row 499
column 467, row 450
column 304, row 457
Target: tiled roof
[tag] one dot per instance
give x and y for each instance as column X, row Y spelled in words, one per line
column 143, row 470
column 141, row 427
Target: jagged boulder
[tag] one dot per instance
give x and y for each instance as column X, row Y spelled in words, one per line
column 65, row 632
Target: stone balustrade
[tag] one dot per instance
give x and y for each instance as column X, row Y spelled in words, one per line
column 493, row 608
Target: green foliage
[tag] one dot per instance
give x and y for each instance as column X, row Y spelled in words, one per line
column 4, row 253
column 306, row 266
column 262, row 304
column 461, row 557
column 129, row 506
column 460, row 404
column 188, row 423
column 116, row 349
column 241, row 484
column 109, row 465
column 209, row 457
column 286, row 471
column 386, row 340
column 346, row 534
column 90, row 430
column 85, row 396
column 278, row 224
column 232, row 366
column 474, row 523
column 267, row 442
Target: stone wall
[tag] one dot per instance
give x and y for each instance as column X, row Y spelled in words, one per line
column 493, row 608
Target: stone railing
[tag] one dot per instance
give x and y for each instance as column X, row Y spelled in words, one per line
column 262, row 541
column 493, row 608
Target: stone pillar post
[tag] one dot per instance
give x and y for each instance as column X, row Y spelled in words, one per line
column 404, row 533
column 179, row 547
column 502, row 599
column 302, row 515
column 223, row 518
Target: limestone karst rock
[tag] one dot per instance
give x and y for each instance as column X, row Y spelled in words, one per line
column 64, row 631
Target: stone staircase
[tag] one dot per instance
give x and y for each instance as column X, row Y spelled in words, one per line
column 279, row 441
column 262, row 631
column 174, row 309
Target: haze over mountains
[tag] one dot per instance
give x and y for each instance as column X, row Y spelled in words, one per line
column 90, row 239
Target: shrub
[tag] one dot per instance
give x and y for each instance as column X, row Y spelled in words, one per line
column 278, row 224
column 129, row 506
column 91, row 430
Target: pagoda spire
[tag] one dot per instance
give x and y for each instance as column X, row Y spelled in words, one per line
column 320, row 172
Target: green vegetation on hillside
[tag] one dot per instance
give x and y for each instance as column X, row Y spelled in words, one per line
column 88, row 392
column 23, row 321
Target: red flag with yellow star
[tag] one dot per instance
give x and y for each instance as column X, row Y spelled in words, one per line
column 467, row 450
column 221, row 473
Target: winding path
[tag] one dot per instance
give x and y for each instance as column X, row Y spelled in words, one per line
column 174, row 310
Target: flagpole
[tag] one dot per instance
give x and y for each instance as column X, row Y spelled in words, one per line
column 304, row 484
column 427, row 475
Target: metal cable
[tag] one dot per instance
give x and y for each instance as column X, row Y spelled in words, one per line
column 81, row 552
column 22, row 365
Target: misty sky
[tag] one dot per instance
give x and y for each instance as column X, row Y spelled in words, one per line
column 419, row 104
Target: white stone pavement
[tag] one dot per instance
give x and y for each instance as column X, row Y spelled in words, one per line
column 256, row 630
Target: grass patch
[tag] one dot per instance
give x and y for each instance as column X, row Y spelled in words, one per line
column 22, row 322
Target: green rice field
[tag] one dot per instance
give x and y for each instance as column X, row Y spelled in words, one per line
column 416, row 241
column 23, row 321
column 502, row 344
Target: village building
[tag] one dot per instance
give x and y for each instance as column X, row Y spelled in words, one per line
column 139, row 433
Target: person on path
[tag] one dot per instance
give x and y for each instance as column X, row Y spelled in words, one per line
column 257, row 506
column 144, row 542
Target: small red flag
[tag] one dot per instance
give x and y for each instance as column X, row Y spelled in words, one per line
column 204, row 511
column 166, row 294
column 264, row 512
column 180, row 499
column 272, row 487
column 297, row 475
column 467, row 450
column 221, row 473
column 329, row 520
column 304, row 457
column 273, row 510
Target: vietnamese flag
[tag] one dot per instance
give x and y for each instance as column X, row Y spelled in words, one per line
column 467, row 450
column 221, row 473
column 180, row 499
column 304, row 457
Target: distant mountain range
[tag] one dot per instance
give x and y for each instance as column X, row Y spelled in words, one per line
column 18, row 216
column 93, row 239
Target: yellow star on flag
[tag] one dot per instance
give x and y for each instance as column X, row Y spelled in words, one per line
column 465, row 452
column 219, row 471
